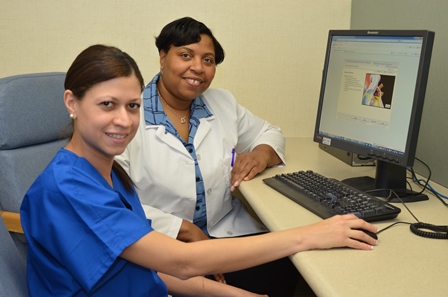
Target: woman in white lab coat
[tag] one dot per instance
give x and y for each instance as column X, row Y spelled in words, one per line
column 195, row 145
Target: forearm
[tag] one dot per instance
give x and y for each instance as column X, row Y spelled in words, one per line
column 201, row 286
column 269, row 154
column 237, row 253
column 245, row 251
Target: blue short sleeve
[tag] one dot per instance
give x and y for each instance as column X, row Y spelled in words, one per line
column 77, row 225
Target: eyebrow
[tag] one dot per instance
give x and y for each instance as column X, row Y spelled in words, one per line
column 113, row 98
column 190, row 50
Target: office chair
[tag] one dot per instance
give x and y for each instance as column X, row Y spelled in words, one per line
column 34, row 125
column 12, row 266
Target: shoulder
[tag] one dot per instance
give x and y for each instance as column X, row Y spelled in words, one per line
column 214, row 93
column 63, row 175
column 219, row 100
column 49, row 186
column 58, row 167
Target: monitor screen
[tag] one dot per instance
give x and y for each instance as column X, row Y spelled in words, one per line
column 371, row 100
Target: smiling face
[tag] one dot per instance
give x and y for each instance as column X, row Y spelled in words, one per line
column 105, row 119
column 187, row 71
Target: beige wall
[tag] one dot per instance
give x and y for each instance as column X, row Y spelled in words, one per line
column 274, row 49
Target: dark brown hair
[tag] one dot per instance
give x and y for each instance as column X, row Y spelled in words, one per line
column 96, row 64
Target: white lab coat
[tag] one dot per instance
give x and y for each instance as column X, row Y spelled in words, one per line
column 164, row 171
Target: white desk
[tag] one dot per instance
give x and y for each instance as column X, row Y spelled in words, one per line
column 402, row 264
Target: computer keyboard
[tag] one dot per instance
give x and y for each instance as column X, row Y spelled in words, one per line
column 328, row 197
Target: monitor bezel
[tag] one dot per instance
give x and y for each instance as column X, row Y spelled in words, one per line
column 407, row 159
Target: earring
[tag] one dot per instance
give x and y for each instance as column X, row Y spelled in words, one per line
column 72, row 116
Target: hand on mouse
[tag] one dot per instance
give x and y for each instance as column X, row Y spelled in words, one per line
column 341, row 231
column 371, row 234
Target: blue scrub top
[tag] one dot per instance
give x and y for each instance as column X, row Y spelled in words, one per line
column 76, row 226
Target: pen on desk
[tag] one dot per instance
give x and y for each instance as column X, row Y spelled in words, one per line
column 232, row 162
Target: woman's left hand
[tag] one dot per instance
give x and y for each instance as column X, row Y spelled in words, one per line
column 247, row 165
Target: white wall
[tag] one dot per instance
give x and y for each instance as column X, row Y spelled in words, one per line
column 274, row 49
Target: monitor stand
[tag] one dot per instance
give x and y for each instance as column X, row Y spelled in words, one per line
column 388, row 176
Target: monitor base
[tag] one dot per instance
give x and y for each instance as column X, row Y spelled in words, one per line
column 367, row 184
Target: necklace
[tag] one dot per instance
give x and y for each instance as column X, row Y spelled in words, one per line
column 183, row 119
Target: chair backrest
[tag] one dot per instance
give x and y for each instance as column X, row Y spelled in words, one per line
column 12, row 267
column 33, row 125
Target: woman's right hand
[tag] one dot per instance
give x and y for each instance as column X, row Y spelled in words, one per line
column 340, row 231
column 189, row 232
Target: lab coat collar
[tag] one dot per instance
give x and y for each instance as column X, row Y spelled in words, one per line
column 173, row 142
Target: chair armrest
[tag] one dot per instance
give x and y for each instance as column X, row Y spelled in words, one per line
column 12, row 221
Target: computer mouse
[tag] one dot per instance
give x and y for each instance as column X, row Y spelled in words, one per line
column 371, row 234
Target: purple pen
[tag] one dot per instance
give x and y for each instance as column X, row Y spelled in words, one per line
column 233, row 158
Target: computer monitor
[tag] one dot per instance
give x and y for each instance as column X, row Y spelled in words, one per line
column 371, row 102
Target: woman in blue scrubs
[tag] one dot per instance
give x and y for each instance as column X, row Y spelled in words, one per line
column 86, row 230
